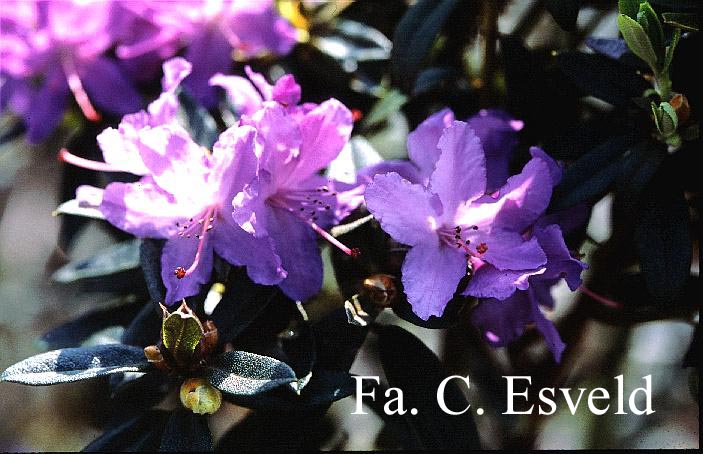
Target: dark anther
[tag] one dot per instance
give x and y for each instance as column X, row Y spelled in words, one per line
column 180, row 272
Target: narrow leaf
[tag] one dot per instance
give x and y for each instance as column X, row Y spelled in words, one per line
column 629, row 8
column 113, row 259
column 683, row 21
column 414, row 368
column 73, row 364
column 186, row 432
column 638, row 41
column 73, row 207
column 244, row 374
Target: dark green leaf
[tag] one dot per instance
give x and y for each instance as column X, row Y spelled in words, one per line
column 113, row 259
column 150, row 260
column 663, row 238
column 591, row 175
column 434, row 78
column 564, row 12
column 73, row 364
column 186, row 432
column 639, row 165
column 602, row 77
column 72, row 333
column 139, row 434
column 416, row 33
column 386, row 106
column 245, row 374
column 412, row 367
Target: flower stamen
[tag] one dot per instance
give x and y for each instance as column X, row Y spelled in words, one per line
column 66, row 156
column 79, row 93
column 207, row 225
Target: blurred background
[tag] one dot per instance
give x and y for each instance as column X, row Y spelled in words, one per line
column 66, row 417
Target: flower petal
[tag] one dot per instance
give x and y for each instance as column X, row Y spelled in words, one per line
column 490, row 282
column 296, row 244
column 209, row 53
column 143, row 209
column 181, row 251
column 560, row 263
column 508, row 250
column 460, row 170
column 243, row 249
column 498, row 133
column 324, row 132
column 241, row 93
column 287, row 91
column 108, row 88
column 234, row 162
column 548, row 330
column 431, row 273
column 422, row 142
column 404, row 210
column 502, row 321
column 46, row 107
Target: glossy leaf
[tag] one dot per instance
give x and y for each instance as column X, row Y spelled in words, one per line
column 72, row 207
column 113, row 259
column 244, row 374
column 602, row 77
column 74, row 364
column 72, row 333
column 138, row 434
column 416, row 33
column 663, row 238
column 412, row 367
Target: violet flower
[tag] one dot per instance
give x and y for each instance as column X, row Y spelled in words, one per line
column 61, row 45
column 288, row 201
column 451, row 222
column 506, row 320
column 211, row 30
column 184, row 195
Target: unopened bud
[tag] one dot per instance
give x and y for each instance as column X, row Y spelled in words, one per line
column 200, row 397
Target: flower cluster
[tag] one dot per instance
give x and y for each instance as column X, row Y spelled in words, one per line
column 255, row 200
column 52, row 49
column 455, row 205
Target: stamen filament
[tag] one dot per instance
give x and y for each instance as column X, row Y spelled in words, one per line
column 66, row 156
column 342, row 247
column 601, row 299
column 79, row 93
column 201, row 241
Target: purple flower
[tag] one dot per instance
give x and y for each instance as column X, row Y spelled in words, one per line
column 506, row 320
column 184, row 195
column 451, row 222
column 289, row 201
column 210, row 30
column 51, row 49
column 496, row 129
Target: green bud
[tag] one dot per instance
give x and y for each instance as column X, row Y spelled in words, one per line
column 200, row 397
column 181, row 332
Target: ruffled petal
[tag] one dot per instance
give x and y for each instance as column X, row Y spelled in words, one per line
column 508, row 250
column 234, row 162
column 181, row 252
column 324, row 132
column 559, row 261
column 548, row 330
column 422, row 142
column 490, row 282
column 460, row 170
column 287, row 91
column 431, row 273
column 405, row 210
